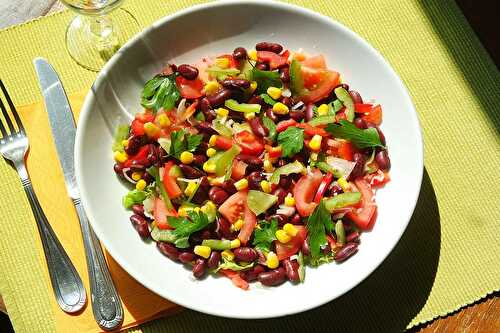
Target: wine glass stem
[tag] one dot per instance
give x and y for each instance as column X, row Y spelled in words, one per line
column 103, row 31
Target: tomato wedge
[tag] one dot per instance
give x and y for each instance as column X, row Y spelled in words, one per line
column 374, row 116
column 137, row 127
column 284, row 251
column 362, row 108
column 249, row 143
column 304, row 192
column 190, row 89
column 145, row 117
column 235, row 278
column 234, row 206
column 317, row 61
column 223, row 143
column 364, row 216
column 345, row 150
column 238, row 169
column 170, row 182
column 323, row 187
column 160, row 213
column 284, row 124
column 250, row 221
column 330, row 80
column 274, row 60
column 141, row 158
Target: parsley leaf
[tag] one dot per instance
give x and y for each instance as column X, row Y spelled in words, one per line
column 265, row 79
column 184, row 227
column 160, row 92
column 268, row 99
column 264, row 237
column 319, row 220
column 231, row 265
column 182, row 141
column 271, row 126
column 361, row 138
column 291, row 141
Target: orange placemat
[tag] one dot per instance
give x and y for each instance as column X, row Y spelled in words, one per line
column 139, row 304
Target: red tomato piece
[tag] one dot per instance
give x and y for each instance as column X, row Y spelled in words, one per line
column 273, row 151
column 141, row 158
column 284, row 251
column 170, row 182
column 223, row 143
column 312, row 130
column 340, row 115
column 160, row 213
column 145, row 117
column 304, row 192
column 235, row 278
column 249, row 143
column 234, row 206
column 315, row 62
column 323, row 187
column 274, row 60
column 238, row 169
column 362, row 108
column 345, row 150
column 330, row 80
column 284, row 124
column 364, row 216
column 374, row 116
column 232, row 62
column 250, row 221
column 190, row 89
column 137, row 127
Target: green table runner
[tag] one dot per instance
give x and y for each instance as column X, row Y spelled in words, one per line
column 449, row 255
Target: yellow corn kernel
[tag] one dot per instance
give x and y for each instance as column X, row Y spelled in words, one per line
column 222, row 62
column 274, row 92
column 120, row 157
column 151, row 129
column 290, row 229
column 209, row 167
column 141, row 185
column 190, row 189
column 211, row 152
column 202, row 251
column 136, row 176
column 212, row 140
column 187, row 157
column 280, row 108
column 343, row 183
column 323, row 110
column 249, row 115
column 282, row 236
column 228, row 255
column 241, row 184
column 208, row 206
column 211, row 87
column 266, row 186
column 272, row 260
column 163, row 120
column 237, row 225
column 289, row 201
column 221, row 112
column 315, row 143
column 235, row 243
column 268, row 166
column 252, row 55
column 253, row 86
column 197, row 209
column 124, row 143
column 313, row 157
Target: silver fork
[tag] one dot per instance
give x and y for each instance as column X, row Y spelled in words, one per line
column 66, row 283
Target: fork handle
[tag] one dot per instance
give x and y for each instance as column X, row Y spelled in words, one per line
column 66, row 283
column 106, row 304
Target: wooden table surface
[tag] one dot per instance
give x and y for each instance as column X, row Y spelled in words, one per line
column 483, row 316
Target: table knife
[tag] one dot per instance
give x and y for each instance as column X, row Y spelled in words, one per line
column 106, row 304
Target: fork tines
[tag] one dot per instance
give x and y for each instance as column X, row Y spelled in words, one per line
column 11, row 125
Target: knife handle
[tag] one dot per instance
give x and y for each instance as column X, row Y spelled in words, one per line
column 106, row 304
column 66, row 283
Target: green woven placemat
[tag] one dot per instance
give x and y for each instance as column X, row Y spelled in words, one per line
column 449, row 255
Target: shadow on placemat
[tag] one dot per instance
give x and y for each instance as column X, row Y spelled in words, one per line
column 385, row 302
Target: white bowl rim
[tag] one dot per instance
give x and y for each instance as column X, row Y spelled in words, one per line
column 324, row 297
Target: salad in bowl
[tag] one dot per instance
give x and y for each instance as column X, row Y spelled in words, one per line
column 253, row 164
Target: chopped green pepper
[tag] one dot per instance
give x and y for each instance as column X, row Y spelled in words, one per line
column 153, row 171
column 295, row 167
column 325, row 167
column 222, row 73
column 242, row 107
column 342, row 200
column 259, row 202
column 296, row 80
column 222, row 129
column 217, row 244
column 321, row 120
column 346, row 99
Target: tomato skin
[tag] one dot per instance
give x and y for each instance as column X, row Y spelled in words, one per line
column 235, row 278
column 323, row 187
column 311, row 76
column 250, row 222
column 238, row 169
column 362, row 108
column 284, row 124
column 140, row 158
column 170, row 183
column 145, row 117
column 234, row 206
column 249, row 143
column 374, row 116
column 365, row 216
column 284, row 251
column 312, row 130
column 274, row 60
column 137, row 127
column 190, row 89
column 223, row 143
column 160, row 213
column 273, row 152
column 345, row 151
column 304, row 192
column 330, row 80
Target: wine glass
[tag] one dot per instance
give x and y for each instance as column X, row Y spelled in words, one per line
column 97, row 31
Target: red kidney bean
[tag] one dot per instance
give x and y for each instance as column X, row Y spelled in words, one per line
column 273, row 277
column 199, row 268
column 353, row 237
column 186, row 257
column 240, row 53
column 206, row 127
column 254, row 180
column 235, row 115
column 281, row 194
column 296, row 115
column 214, row 259
column 168, row 250
column 173, row 67
column 356, row 97
column 282, row 162
column 305, row 248
column 229, row 187
column 199, row 159
column 256, row 99
column 258, row 128
column 382, row 159
column 118, row 169
column 138, row 209
column 296, row 219
column 262, row 66
column 152, row 154
column 189, row 172
column 244, row 253
column 326, row 249
column 360, row 123
column 335, row 189
column 267, row 46
column 207, row 110
column 217, row 195
column 358, row 169
column 309, row 111
column 346, row 252
column 188, row 72
column 235, row 83
column 287, row 101
column 285, row 74
column 141, row 225
column 271, row 115
column 291, row 269
column 285, row 182
column 134, row 143
column 280, row 218
column 223, row 229
column 252, row 274
column 147, row 177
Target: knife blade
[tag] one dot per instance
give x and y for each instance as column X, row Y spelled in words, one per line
column 106, row 304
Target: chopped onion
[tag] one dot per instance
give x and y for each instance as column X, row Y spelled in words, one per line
column 286, row 210
column 148, row 204
column 332, row 143
column 181, row 108
column 298, row 105
column 196, row 180
column 344, row 166
column 286, row 93
column 125, row 175
column 160, row 170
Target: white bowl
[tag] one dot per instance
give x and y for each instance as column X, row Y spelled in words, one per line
column 212, row 29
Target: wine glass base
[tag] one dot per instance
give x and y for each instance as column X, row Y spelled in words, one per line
column 91, row 51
